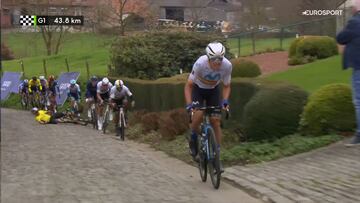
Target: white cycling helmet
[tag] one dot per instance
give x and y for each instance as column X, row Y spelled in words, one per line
column 215, row 50
column 41, row 77
column 26, row 81
column 119, row 83
column 105, row 81
column 34, row 110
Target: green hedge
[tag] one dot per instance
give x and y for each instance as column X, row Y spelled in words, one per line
column 307, row 49
column 328, row 110
column 274, row 112
column 245, row 68
column 159, row 54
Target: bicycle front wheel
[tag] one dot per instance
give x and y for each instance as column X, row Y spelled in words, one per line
column 202, row 161
column 105, row 124
column 122, row 128
column 94, row 118
column 214, row 162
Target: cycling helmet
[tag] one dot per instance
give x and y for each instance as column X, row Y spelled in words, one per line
column 119, row 83
column 215, row 50
column 51, row 78
column 105, row 81
column 94, row 78
column 34, row 78
column 26, row 81
column 34, row 110
column 72, row 82
column 41, row 77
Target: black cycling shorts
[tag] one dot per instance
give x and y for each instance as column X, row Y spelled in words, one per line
column 105, row 96
column 119, row 102
column 205, row 97
column 56, row 116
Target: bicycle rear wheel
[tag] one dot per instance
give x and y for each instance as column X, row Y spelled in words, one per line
column 122, row 128
column 214, row 162
column 202, row 161
column 94, row 118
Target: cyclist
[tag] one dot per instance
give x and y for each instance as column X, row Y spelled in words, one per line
column 74, row 94
column 53, row 90
column 24, row 87
column 90, row 94
column 44, row 84
column 119, row 96
column 203, row 86
column 103, row 94
column 34, row 87
column 45, row 117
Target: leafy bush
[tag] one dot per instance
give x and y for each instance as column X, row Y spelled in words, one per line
column 293, row 46
column 245, row 68
column 317, row 46
column 173, row 123
column 159, row 54
column 273, row 112
column 6, row 53
column 150, row 122
column 310, row 48
column 328, row 109
column 169, row 123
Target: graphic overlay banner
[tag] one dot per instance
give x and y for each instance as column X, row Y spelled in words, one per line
column 64, row 82
column 10, row 82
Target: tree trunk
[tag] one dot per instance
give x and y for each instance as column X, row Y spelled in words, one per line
column 59, row 41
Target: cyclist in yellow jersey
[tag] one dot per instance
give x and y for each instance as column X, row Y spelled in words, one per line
column 34, row 85
column 45, row 117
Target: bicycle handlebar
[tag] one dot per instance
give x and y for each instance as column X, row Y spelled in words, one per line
column 227, row 111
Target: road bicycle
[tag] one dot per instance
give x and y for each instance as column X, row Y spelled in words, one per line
column 24, row 100
column 209, row 154
column 121, row 124
column 105, row 117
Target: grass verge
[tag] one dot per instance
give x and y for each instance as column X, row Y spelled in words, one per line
column 237, row 153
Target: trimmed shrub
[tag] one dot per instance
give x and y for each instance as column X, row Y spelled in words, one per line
column 6, row 53
column 307, row 49
column 273, row 112
column 159, row 54
column 150, row 121
column 296, row 60
column 245, row 68
column 293, row 47
column 317, row 46
column 173, row 123
column 329, row 109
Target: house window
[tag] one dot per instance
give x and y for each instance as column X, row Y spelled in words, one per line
column 174, row 13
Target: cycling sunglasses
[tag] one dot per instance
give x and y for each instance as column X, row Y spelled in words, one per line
column 218, row 59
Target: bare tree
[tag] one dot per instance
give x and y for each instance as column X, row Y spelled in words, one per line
column 53, row 36
column 114, row 13
column 254, row 13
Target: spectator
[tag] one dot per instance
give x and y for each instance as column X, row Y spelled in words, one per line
column 350, row 37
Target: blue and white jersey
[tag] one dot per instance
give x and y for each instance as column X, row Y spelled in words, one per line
column 207, row 78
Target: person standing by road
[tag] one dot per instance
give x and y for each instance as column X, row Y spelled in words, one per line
column 350, row 37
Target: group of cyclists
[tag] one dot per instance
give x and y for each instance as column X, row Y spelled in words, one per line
column 47, row 89
column 98, row 92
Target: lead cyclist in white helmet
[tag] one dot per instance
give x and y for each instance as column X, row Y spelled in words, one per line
column 203, row 89
column 102, row 94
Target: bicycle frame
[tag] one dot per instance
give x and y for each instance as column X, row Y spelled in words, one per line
column 122, row 116
column 205, row 137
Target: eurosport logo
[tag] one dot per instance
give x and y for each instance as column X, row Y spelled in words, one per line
column 322, row 12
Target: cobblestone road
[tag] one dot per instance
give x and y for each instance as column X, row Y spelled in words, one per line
column 331, row 174
column 68, row 163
